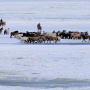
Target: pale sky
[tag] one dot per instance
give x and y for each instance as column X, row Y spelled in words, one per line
column 31, row 0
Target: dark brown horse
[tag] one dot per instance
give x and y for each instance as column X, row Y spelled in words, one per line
column 1, row 30
column 13, row 33
column 39, row 27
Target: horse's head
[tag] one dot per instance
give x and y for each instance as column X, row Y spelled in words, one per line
column 53, row 31
column 11, row 34
column 86, row 33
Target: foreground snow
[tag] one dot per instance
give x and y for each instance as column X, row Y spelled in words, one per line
column 28, row 88
column 38, row 61
column 22, row 64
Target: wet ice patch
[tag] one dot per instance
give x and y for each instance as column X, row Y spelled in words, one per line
column 35, row 73
column 20, row 58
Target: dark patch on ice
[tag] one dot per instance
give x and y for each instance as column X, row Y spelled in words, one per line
column 20, row 58
column 64, row 83
column 55, row 44
column 46, row 43
column 35, row 73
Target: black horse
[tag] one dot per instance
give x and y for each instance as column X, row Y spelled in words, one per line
column 84, row 37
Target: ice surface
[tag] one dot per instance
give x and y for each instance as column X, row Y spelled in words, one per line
column 36, row 63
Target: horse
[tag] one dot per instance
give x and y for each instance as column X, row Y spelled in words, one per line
column 1, row 30
column 39, row 27
column 6, row 31
column 13, row 33
column 23, row 39
column 84, row 37
column 18, row 36
column 2, row 23
column 33, row 39
column 42, row 39
column 64, row 35
column 76, row 35
column 49, row 34
column 50, row 38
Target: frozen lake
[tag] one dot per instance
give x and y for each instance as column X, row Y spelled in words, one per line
column 41, row 67
column 63, row 66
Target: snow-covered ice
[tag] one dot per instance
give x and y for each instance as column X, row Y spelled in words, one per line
column 63, row 66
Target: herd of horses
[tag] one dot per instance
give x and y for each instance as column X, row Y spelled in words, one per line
column 43, row 37
column 2, row 23
column 34, row 37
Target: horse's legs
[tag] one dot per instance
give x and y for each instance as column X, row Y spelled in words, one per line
column 83, row 40
column 44, row 41
column 4, row 32
column 55, row 41
column 50, row 41
column 10, row 35
column 47, row 41
column 88, row 40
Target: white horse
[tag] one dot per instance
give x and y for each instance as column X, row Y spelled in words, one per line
column 6, row 31
column 18, row 36
column 49, row 34
column 24, row 39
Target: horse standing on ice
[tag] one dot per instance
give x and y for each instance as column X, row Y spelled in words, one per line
column 86, row 37
column 2, row 23
column 6, row 31
column 13, row 33
column 39, row 27
column 1, row 30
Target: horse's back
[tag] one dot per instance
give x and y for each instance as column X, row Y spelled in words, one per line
column 51, row 34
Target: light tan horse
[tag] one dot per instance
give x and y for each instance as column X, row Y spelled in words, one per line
column 50, row 38
column 76, row 36
column 33, row 39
